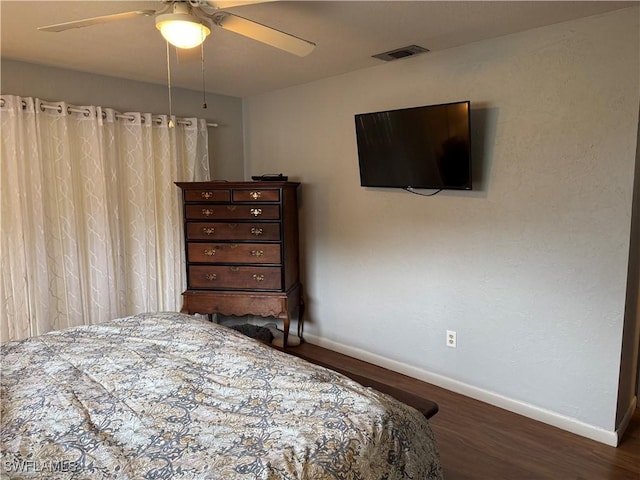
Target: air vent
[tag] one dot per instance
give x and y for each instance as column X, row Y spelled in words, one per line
column 399, row 53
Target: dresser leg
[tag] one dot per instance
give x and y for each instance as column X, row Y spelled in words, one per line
column 286, row 331
column 294, row 308
column 185, row 307
column 300, row 317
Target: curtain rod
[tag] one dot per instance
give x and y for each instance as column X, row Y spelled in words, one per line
column 51, row 106
column 48, row 106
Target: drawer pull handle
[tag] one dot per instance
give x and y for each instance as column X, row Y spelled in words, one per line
column 233, row 245
column 256, row 231
column 256, row 212
column 209, row 252
column 207, row 212
column 255, row 195
column 257, row 253
column 210, row 276
column 208, row 230
column 258, row 277
column 231, row 208
column 207, row 195
column 234, row 269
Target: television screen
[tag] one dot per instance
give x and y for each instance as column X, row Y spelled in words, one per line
column 419, row 147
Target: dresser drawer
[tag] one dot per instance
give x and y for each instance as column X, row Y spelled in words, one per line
column 256, row 195
column 240, row 277
column 206, row 195
column 232, row 212
column 233, row 252
column 233, row 231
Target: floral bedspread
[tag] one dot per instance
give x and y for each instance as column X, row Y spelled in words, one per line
column 170, row 396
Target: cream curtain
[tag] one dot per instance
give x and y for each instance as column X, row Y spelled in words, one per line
column 90, row 218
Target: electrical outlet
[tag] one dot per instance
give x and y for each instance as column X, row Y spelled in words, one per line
column 452, row 339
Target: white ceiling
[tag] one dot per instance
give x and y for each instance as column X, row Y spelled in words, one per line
column 347, row 33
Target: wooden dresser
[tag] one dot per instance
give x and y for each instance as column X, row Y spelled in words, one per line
column 242, row 250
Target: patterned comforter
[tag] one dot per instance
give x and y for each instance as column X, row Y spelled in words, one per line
column 169, row 396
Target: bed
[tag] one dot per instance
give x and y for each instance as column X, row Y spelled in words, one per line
column 171, row 396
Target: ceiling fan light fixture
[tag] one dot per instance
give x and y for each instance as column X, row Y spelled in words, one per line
column 182, row 30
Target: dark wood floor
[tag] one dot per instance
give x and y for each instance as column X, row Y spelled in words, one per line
column 479, row 441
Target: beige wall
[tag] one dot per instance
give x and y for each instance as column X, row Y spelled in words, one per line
column 530, row 268
column 55, row 84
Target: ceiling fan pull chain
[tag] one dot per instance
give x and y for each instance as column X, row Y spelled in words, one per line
column 204, row 94
column 171, row 125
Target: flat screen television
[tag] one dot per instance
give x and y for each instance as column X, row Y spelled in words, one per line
column 421, row 147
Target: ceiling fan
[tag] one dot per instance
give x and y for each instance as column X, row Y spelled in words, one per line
column 199, row 16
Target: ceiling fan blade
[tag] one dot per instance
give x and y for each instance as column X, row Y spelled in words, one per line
column 61, row 27
column 223, row 4
column 264, row 34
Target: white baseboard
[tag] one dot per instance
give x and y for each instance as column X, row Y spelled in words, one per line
column 626, row 419
column 549, row 417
